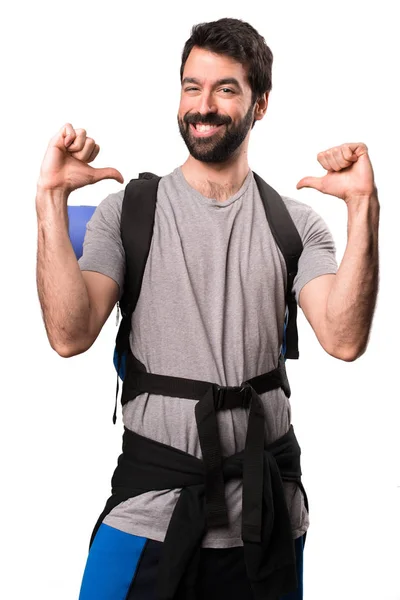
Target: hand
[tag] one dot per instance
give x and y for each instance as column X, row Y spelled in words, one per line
column 350, row 174
column 65, row 165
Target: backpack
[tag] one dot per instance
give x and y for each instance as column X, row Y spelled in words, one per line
column 137, row 221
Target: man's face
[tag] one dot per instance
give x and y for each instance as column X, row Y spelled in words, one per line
column 214, row 92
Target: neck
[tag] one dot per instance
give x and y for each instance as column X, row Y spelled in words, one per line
column 216, row 180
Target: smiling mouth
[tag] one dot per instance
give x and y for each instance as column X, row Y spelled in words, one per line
column 201, row 130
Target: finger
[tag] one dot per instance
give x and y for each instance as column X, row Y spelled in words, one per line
column 332, row 160
column 79, row 141
column 311, row 182
column 69, row 134
column 348, row 155
column 358, row 149
column 323, row 161
column 63, row 137
column 343, row 156
column 95, row 152
column 107, row 173
column 86, row 151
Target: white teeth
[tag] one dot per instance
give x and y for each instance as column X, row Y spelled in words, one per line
column 202, row 127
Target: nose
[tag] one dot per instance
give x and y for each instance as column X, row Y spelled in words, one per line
column 206, row 103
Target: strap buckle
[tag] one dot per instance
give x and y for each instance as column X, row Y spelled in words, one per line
column 232, row 396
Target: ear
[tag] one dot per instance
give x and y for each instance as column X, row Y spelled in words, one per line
column 261, row 106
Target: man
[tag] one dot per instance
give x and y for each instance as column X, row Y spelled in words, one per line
column 211, row 308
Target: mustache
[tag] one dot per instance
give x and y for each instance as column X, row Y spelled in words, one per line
column 211, row 119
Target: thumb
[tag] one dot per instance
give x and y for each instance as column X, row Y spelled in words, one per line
column 310, row 182
column 106, row 173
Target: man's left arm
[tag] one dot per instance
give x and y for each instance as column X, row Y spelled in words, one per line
column 340, row 307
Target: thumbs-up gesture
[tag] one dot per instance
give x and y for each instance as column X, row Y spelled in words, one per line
column 65, row 166
column 350, row 174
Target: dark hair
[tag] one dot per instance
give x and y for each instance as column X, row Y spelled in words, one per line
column 240, row 41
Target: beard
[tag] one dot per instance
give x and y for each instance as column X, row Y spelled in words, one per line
column 220, row 146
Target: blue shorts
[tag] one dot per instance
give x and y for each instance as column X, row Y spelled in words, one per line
column 121, row 566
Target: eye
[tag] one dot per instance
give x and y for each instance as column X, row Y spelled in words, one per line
column 222, row 89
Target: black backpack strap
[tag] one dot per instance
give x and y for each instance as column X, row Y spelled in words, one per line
column 137, row 222
column 289, row 242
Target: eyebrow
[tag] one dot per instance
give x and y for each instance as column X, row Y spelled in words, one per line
column 224, row 81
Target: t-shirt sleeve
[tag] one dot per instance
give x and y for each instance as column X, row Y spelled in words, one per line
column 319, row 251
column 103, row 250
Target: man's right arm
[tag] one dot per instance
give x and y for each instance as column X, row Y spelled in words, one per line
column 75, row 304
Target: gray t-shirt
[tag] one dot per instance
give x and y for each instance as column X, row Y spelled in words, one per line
column 211, row 307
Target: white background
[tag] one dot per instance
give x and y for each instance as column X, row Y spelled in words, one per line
column 113, row 68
